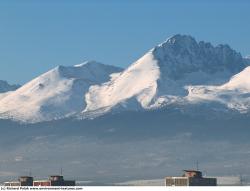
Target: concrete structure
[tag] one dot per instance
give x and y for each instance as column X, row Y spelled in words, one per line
column 26, row 180
column 41, row 183
column 54, row 180
column 13, row 183
column 22, row 181
column 190, row 178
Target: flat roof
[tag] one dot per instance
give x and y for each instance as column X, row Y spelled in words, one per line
column 191, row 170
column 56, row 176
column 41, row 181
column 12, row 182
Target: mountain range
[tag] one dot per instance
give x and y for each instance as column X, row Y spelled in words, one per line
column 179, row 72
column 183, row 101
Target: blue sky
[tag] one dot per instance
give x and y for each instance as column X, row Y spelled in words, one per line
column 36, row 36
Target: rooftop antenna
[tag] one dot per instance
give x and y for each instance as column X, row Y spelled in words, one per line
column 241, row 181
column 61, row 171
column 205, row 173
column 197, row 165
column 30, row 173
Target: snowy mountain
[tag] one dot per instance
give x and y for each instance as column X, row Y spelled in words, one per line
column 56, row 94
column 179, row 73
column 167, row 74
column 5, row 87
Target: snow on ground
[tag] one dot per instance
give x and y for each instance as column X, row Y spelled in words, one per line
column 2, row 95
column 138, row 80
column 235, row 94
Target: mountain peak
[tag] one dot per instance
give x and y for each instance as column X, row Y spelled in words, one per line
column 161, row 76
column 55, row 94
column 81, row 65
column 90, row 70
column 174, row 72
column 180, row 39
column 177, row 42
column 88, row 63
column 182, row 54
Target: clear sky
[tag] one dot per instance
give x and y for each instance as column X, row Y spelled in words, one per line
column 36, row 36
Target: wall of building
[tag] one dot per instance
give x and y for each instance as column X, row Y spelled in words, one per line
column 202, row 182
column 177, row 181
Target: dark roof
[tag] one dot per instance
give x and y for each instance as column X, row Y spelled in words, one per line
column 56, row 176
column 191, row 171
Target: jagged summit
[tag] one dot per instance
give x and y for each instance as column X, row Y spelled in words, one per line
column 182, row 54
column 178, row 39
column 162, row 75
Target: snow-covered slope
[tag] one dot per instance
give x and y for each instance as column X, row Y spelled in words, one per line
column 162, row 76
column 235, row 94
column 56, row 94
column 179, row 72
column 140, row 78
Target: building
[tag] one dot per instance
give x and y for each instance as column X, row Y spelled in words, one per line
column 54, row 180
column 13, row 183
column 229, row 180
column 26, row 180
column 22, row 181
column 190, row 178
